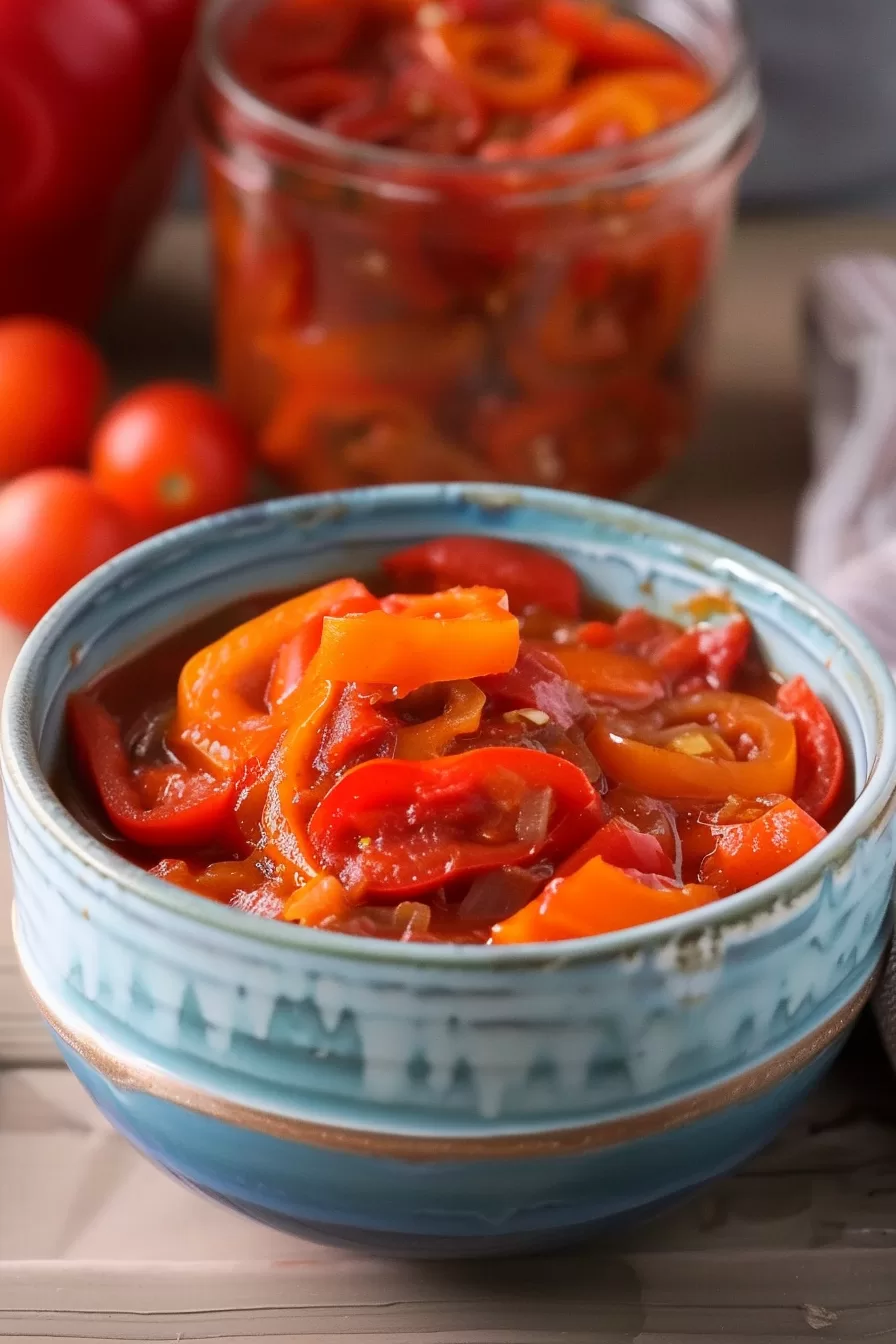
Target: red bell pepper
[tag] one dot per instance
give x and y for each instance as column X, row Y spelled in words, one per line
column 748, row 852
column 531, row 578
column 820, row 759
column 163, row 807
column 399, row 826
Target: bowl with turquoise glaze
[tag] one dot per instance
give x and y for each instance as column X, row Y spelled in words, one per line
column 442, row 1100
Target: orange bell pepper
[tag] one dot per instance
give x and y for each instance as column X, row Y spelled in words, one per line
column 598, row 898
column 667, row 772
column 749, row 852
column 462, row 714
column 511, row 69
column 610, row 103
column 321, row 899
column 222, row 719
column 620, row 677
column 452, row 636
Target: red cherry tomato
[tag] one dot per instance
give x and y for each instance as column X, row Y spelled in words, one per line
column 52, row 385
column 55, row 527
column 169, row 453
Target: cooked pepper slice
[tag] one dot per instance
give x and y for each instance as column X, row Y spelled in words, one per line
column 820, row 761
column 692, row 772
column 610, row 42
column 162, row 807
column 462, row 715
column 749, row 852
column 530, row 577
column 621, row 844
column 452, row 636
column 512, row 69
column 400, row 826
column 608, row 109
column 599, row 898
column 222, row 718
column 287, row 36
column 619, row 678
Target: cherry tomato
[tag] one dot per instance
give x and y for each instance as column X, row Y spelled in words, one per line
column 52, row 386
column 55, row 527
column 169, row 453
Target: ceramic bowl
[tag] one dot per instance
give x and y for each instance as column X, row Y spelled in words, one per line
column 442, row 1100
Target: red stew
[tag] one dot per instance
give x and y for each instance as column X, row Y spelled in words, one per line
column 458, row 761
column 413, row 323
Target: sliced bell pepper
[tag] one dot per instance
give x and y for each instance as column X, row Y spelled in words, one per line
column 748, row 852
column 510, row 68
column 820, row 759
column 609, row 41
column 323, row 898
column 663, row 772
column 161, row 807
column 713, row 654
column 452, row 636
column 598, row 898
column 538, row 681
column 530, row 577
column 222, row 719
column 400, row 826
column 609, row 104
column 620, row 678
column 621, row 844
column 287, row 36
column 462, row 715
column 442, row 114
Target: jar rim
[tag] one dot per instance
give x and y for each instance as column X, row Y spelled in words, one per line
column 698, row 142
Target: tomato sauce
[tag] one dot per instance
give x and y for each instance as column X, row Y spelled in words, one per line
column 502, row 761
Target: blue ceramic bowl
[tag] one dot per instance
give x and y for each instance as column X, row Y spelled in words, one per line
column 442, row 1100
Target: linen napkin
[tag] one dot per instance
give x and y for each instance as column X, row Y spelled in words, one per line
column 846, row 530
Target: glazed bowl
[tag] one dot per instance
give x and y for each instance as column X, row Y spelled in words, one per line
column 426, row 1099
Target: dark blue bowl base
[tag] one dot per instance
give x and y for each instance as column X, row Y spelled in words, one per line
column 445, row 1209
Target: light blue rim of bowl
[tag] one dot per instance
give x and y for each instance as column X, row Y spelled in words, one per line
column 689, row 543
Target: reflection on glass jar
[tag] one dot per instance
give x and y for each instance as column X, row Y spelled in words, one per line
column 387, row 315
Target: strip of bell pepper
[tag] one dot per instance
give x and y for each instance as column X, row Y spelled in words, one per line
column 320, row 899
column 605, row 101
column 400, row 826
column 221, row 721
column 414, row 641
column 192, row 809
column 512, row 69
column 610, row 41
column 598, row 898
column 605, row 674
column 462, row 714
column 820, row 759
column 665, row 773
column 623, row 846
column 530, row 577
column 749, row 852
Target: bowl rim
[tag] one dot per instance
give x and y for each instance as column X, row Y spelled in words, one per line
column 25, row 778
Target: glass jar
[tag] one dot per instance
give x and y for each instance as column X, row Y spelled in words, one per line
column 389, row 316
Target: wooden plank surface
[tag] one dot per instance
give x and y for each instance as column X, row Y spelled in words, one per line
column 97, row 1244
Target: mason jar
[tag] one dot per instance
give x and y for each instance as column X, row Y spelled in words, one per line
column 386, row 315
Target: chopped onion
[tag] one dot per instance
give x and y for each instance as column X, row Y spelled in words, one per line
column 412, row 918
column 498, row 895
column 534, row 816
column 576, row 750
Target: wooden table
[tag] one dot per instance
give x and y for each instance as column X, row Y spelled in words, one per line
column 95, row 1244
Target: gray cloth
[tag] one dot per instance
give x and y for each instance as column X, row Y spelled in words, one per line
column 846, row 544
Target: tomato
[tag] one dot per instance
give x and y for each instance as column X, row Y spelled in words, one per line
column 52, row 387
column 398, row 826
column 622, row 845
column 169, row 453
column 55, row 527
column 821, row 766
column 530, row 577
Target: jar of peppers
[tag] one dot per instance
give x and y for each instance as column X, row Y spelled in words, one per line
column 469, row 239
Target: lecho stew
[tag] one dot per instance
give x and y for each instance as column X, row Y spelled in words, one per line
column 477, row 756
